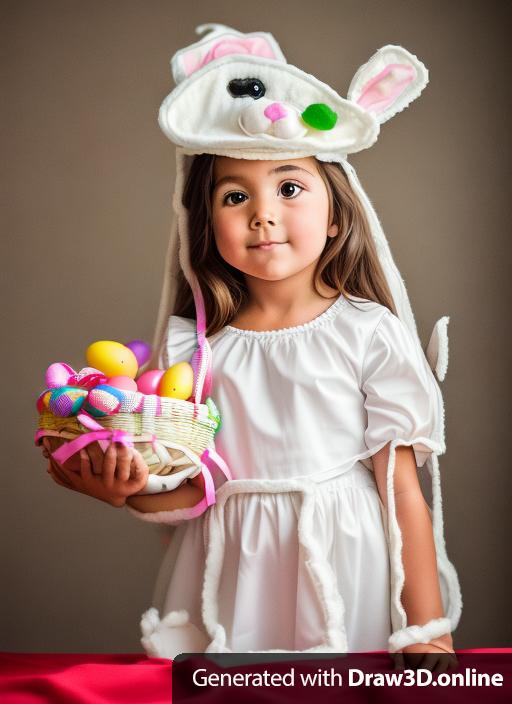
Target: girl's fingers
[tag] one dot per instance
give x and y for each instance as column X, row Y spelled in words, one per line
column 58, row 474
column 124, row 460
column 96, row 456
column 54, row 476
column 398, row 661
column 109, row 469
column 446, row 662
column 85, row 466
column 140, row 470
column 109, row 462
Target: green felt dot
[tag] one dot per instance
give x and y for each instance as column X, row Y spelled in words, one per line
column 320, row 116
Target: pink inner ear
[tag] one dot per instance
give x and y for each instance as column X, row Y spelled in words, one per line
column 195, row 59
column 382, row 91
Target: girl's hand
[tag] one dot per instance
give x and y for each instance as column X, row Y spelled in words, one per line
column 428, row 656
column 109, row 477
column 50, row 444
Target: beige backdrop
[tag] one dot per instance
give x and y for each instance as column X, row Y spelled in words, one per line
column 87, row 210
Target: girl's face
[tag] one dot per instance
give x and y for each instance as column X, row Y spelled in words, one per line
column 255, row 203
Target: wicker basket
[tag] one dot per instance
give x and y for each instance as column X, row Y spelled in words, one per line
column 174, row 437
column 170, row 434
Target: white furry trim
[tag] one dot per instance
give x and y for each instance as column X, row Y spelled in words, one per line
column 321, row 573
column 170, row 636
column 398, row 615
column 452, row 601
column 171, row 518
column 418, row 634
column 447, row 572
column 437, row 348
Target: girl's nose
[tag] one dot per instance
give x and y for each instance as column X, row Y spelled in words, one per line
column 259, row 219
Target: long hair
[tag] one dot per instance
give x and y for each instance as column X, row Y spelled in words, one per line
column 349, row 262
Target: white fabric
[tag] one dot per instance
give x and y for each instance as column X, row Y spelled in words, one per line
column 294, row 555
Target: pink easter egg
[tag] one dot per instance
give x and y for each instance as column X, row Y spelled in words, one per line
column 103, row 400
column 58, row 374
column 147, row 383
column 122, row 382
column 89, row 377
column 141, row 350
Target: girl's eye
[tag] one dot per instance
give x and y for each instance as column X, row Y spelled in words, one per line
column 231, row 195
column 287, row 189
column 293, row 185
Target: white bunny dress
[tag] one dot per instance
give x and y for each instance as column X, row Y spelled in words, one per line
column 295, row 554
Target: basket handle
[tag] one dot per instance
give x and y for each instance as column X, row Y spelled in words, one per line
column 203, row 381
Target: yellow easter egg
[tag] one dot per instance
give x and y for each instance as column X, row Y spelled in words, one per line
column 177, row 381
column 112, row 358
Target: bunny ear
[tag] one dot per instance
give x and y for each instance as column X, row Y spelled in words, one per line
column 388, row 82
column 220, row 41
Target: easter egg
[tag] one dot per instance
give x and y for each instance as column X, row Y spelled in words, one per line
column 141, row 350
column 43, row 400
column 177, row 381
column 122, row 382
column 58, row 374
column 133, row 402
column 147, row 383
column 66, row 401
column 103, row 400
column 88, row 378
column 112, row 358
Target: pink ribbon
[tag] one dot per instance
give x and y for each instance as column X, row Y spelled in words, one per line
column 61, row 374
column 209, row 497
column 104, row 436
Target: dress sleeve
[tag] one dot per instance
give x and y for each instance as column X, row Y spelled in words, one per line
column 180, row 341
column 402, row 399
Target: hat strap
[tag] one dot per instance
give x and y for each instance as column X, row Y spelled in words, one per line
column 204, row 367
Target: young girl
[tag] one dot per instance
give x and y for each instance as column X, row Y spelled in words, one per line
column 323, row 541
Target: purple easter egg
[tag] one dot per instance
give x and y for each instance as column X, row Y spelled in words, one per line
column 66, row 401
column 141, row 350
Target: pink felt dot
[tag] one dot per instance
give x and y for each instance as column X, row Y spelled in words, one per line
column 275, row 111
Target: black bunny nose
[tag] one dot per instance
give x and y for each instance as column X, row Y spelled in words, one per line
column 251, row 87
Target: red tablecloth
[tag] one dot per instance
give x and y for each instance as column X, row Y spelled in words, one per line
column 34, row 678
column 37, row 678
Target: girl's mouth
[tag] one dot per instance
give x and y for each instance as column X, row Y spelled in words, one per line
column 265, row 247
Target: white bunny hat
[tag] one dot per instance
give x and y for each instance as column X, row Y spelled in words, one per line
column 237, row 96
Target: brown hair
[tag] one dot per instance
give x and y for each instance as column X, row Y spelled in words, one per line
column 349, row 262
